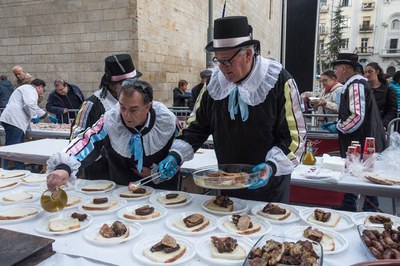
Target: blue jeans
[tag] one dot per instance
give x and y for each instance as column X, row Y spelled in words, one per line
column 14, row 135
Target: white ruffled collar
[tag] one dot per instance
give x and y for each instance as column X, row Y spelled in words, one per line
column 153, row 141
column 108, row 102
column 254, row 89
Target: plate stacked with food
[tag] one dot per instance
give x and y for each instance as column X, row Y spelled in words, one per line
column 193, row 223
column 226, row 176
column 375, row 219
column 101, row 205
column 171, row 198
column 94, row 186
column 276, row 250
column 224, row 205
column 112, row 232
column 331, row 219
column 9, row 184
column 244, row 225
column 332, row 242
column 63, row 223
column 277, row 213
column 133, row 193
column 163, row 249
column 7, row 174
column 223, row 249
column 142, row 213
column 19, row 196
column 18, row 213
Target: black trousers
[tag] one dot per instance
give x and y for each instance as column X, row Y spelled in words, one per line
column 277, row 190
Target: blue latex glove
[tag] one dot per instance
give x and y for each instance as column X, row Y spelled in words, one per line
column 168, row 167
column 330, row 126
column 35, row 120
column 53, row 119
column 266, row 173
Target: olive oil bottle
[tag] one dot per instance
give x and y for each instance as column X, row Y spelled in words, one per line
column 54, row 201
column 309, row 158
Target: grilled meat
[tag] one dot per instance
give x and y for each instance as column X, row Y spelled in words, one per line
column 119, row 228
column 313, row 234
column 223, row 201
column 379, row 219
column 107, row 232
column 322, row 216
column 171, row 195
column 273, row 209
column 224, row 244
column 80, row 216
column 100, row 200
column 193, row 220
column 145, row 210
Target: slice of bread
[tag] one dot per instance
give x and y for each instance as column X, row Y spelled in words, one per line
column 214, row 207
column 178, row 200
column 182, row 226
column 12, row 174
column 239, row 253
column 278, row 217
column 327, row 242
column 99, row 237
column 4, row 184
column 73, row 200
column 19, row 195
column 34, row 179
column 332, row 222
column 129, row 194
column 99, row 207
column 162, row 257
column 61, row 225
column 97, row 187
column 17, row 213
column 233, row 228
column 133, row 216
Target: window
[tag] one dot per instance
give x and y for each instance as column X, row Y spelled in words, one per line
column 345, row 2
column 395, row 24
column 322, row 48
column 364, row 42
column 393, row 46
column 345, row 43
column 322, row 2
column 322, row 28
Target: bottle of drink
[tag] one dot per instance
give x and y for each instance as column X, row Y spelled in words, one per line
column 54, row 201
column 309, row 158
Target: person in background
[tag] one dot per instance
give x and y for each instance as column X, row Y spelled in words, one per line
column 360, row 69
column 385, row 97
column 359, row 116
column 252, row 109
column 117, row 68
column 22, row 108
column 6, row 89
column 180, row 95
column 21, row 76
column 65, row 97
column 205, row 78
column 136, row 134
column 395, row 85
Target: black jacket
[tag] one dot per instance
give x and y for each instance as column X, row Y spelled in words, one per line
column 6, row 89
column 195, row 93
column 386, row 100
column 57, row 103
column 180, row 97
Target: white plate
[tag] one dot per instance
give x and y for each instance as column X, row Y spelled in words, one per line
column 26, row 173
column 33, row 175
column 239, row 206
column 318, row 173
column 265, row 226
column 180, row 216
column 154, row 198
column 116, row 193
column 203, row 249
column 80, row 195
column 343, row 224
column 120, row 203
column 359, row 218
column 43, row 225
column 341, row 242
column 293, row 217
column 92, row 232
column 5, row 181
column 35, row 207
column 137, row 250
column 132, row 208
column 83, row 183
column 35, row 196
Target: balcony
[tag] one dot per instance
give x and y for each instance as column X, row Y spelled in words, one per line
column 366, row 28
column 367, row 6
column 323, row 9
column 365, row 50
column 323, row 31
column 391, row 52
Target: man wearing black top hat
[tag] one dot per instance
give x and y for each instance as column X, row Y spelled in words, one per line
column 252, row 109
column 118, row 68
column 359, row 116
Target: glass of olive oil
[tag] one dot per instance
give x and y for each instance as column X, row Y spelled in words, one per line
column 54, row 201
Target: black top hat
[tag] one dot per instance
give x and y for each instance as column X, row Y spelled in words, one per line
column 120, row 67
column 346, row 58
column 205, row 73
column 232, row 32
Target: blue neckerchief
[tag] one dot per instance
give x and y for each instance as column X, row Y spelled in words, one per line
column 235, row 102
column 136, row 148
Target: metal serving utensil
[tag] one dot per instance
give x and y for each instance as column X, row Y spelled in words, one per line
column 147, row 179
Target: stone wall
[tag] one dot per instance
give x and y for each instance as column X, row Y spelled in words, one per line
column 70, row 38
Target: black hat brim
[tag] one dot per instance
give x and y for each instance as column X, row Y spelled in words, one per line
column 210, row 46
column 342, row 62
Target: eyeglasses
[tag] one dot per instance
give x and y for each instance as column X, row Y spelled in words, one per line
column 227, row 62
column 324, row 80
column 138, row 84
